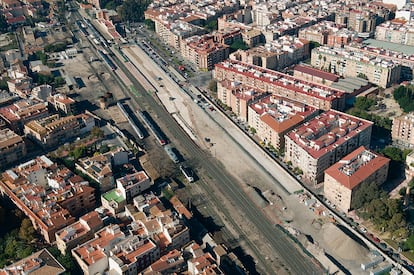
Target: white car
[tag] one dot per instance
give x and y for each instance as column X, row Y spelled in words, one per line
column 363, row 229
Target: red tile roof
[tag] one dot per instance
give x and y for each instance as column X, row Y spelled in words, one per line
column 316, row 72
column 361, row 168
column 180, row 208
column 327, row 131
column 280, row 127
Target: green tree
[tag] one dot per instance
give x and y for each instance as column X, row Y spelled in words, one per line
column 132, row 10
column 150, row 24
column 363, row 76
column 57, row 47
column 364, row 103
column 3, row 83
column 409, row 243
column 238, row 45
column 26, row 232
column 2, row 215
column 211, row 25
column 41, row 56
column 97, row 132
column 402, row 191
column 393, row 153
column 3, row 24
column 23, row 250
column 11, row 245
column 404, row 95
column 66, row 260
column 59, row 81
column 313, row 45
column 212, row 86
column 78, row 152
column 365, row 193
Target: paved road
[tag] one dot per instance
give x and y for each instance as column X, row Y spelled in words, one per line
column 295, row 260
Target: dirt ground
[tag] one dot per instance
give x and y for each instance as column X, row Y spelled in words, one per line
column 392, row 108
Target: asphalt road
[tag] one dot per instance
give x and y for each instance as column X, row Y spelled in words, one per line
column 297, row 263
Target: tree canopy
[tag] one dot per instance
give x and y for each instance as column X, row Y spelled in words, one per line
column 365, row 194
column 150, row 24
column 379, row 121
column 238, row 45
column 211, row 25
column 3, row 24
column 132, row 10
column 58, row 47
column 364, row 103
column 27, row 232
column 404, row 95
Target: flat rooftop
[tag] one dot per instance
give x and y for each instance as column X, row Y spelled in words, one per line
column 327, row 131
column 409, row 50
column 113, row 195
column 356, row 167
column 282, row 80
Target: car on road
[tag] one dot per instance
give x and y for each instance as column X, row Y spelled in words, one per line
column 363, row 229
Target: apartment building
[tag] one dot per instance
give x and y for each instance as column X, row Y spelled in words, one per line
column 132, row 255
column 173, row 33
column 203, row 51
column 173, row 25
column 349, row 63
column 113, row 201
column 99, row 167
column 314, row 75
column 63, row 103
column 53, row 130
column 227, row 36
column 92, row 256
column 344, row 178
column 21, row 86
column 42, row 92
column 19, row 113
column 273, row 116
column 406, row 60
column 362, row 21
column 313, row 94
column 40, row 262
column 323, row 141
column 277, row 54
column 328, row 33
column 237, row 96
column 168, row 263
column 396, row 31
column 114, row 252
column 402, row 132
column 12, row 147
column 132, row 185
column 204, row 263
column 150, row 218
column 49, row 195
column 289, row 26
column 182, row 211
column 78, row 232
